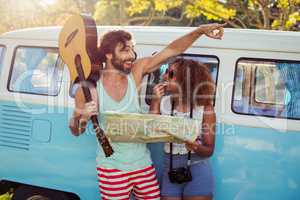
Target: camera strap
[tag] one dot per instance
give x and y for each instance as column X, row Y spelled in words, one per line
column 171, row 144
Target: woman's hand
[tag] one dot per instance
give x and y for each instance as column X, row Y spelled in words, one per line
column 191, row 145
column 159, row 91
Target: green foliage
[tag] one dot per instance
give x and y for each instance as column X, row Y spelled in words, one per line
column 288, row 15
column 6, row 196
column 150, row 12
column 110, row 12
column 266, row 14
column 211, row 9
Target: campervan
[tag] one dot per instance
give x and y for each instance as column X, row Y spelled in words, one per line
column 257, row 103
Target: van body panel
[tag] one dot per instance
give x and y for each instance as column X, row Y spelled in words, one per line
column 63, row 163
column 251, row 163
column 265, row 40
column 256, row 163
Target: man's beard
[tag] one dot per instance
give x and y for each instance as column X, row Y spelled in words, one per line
column 119, row 65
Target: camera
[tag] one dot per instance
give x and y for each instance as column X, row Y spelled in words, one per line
column 180, row 175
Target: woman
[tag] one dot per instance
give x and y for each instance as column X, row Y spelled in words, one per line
column 191, row 91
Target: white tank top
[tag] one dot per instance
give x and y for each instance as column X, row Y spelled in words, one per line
column 165, row 109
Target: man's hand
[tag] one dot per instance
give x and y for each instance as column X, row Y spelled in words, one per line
column 79, row 122
column 214, row 30
column 89, row 110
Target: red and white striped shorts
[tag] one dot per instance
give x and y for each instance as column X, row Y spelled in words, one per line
column 117, row 184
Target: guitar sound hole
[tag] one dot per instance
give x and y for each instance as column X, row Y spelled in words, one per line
column 71, row 37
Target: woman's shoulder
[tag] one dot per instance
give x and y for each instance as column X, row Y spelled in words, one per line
column 203, row 111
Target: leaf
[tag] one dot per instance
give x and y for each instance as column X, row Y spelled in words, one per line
column 6, row 196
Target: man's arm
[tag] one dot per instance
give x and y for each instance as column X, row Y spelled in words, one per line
column 178, row 46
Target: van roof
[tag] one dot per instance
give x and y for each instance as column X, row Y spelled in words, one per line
column 247, row 39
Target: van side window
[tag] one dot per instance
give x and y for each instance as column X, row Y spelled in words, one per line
column 36, row 71
column 267, row 88
column 212, row 62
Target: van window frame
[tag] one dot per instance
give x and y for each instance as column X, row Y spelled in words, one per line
column 234, row 81
column 200, row 55
column 13, row 62
column 2, row 55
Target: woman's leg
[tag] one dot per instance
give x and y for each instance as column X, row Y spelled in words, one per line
column 171, row 191
column 198, row 198
column 202, row 185
column 171, row 198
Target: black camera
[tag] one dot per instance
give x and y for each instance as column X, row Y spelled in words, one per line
column 180, row 175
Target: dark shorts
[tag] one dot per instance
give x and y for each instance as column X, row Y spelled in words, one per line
column 202, row 183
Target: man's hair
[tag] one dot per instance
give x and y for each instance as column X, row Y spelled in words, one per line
column 195, row 81
column 110, row 40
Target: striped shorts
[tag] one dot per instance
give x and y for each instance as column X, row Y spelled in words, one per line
column 117, row 184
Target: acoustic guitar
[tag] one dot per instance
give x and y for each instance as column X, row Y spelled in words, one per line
column 78, row 50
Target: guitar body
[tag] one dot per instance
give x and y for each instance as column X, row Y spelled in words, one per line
column 79, row 37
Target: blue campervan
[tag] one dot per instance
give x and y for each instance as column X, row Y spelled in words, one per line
column 257, row 101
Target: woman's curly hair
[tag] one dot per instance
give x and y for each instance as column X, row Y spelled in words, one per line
column 194, row 81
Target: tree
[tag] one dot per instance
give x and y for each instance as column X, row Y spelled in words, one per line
column 149, row 12
column 262, row 14
column 111, row 12
column 17, row 14
column 267, row 14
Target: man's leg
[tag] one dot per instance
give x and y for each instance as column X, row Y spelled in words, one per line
column 145, row 182
column 114, row 184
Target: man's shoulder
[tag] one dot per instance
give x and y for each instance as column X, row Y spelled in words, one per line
column 137, row 73
column 140, row 63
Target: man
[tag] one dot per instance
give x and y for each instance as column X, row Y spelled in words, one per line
column 130, row 167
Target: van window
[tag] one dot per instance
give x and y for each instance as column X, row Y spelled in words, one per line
column 212, row 62
column 267, row 88
column 36, row 71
